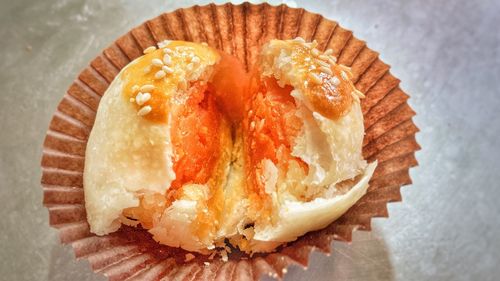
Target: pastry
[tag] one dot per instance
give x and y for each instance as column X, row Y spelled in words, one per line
column 240, row 30
column 179, row 149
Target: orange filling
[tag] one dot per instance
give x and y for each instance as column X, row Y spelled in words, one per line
column 271, row 126
column 230, row 79
column 195, row 135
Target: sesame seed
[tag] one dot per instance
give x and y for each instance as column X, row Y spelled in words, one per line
column 190, row 66
column 149, row 49
column 142, row 98
column 323, row 57
column 344, row 75
column 252, row 125
column 147, row 88
column 326, row 70
column 163, row 44
column 132, row 100
column 315, row 52
column 167, row 69
column 335, row 81
column 359, row 93
column 354, row 96
column 167, row 59
column 135, row 88
column 182, row 48
column 168, row 51
column 144, row 110
column 160, row 74
column 328, row 52
column 195, row 59
column 299, row 40
column 204, row 43
column 206, row 263
column 261, row 124
column 314, row 44
column 315, row 78
column 332, row 61
column 322, row 63
column 346, row 68
column 157, row 62
column 147, row 69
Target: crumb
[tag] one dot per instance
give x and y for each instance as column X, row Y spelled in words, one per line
column 163, row 44
column 206, row 263
column 211, row 257
column 189, row 257
column 223, row 254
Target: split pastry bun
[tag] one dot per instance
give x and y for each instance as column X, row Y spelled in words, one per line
column 193, row 149
column 304, row 133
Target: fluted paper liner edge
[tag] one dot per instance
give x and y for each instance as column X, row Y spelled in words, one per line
column 131, row 254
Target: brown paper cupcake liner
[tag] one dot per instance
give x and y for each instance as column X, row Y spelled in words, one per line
column 131, row 254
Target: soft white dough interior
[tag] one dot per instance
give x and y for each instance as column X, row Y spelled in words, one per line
column 297, row 218
column 175, row 227
column 125, row 154
column 331, row 148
